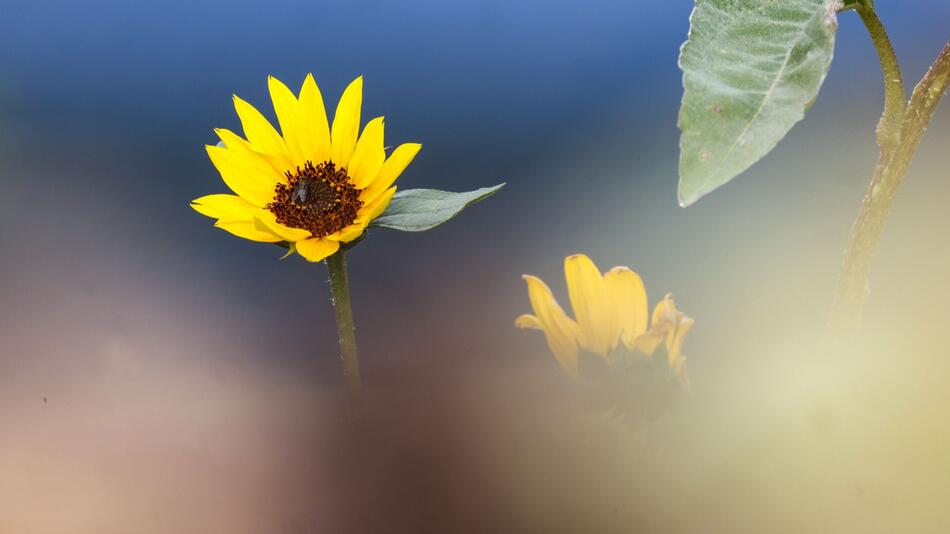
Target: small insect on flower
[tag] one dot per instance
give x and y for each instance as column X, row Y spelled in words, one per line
column 300, row 193
column 611, row 317
column 315, row 186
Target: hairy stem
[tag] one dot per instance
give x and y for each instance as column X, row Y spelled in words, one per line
column 888, row 129
column 898, row 134
column 340, row 289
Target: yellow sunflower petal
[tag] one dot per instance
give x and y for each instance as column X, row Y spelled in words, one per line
column 349, row 233
column 316, row 249
column 629, row 297
column 346, row 123
column 231, row 140
column 647, row 342
column 258, row 130
column 248, row 229
column 279, row 164
column 662, row 326
column 559, row 330
column 314, row 127
column 250, row 177
column 664, row 313
column 285, row 106
column 528, row 322
column 270, row 224
column 223, row 206
column 593, row 307
column 675, row 347
column 671, row 329
column 391, row 169
column 369, row 154
column 376, row 207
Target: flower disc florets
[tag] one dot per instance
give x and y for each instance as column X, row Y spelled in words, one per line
column 320, row 199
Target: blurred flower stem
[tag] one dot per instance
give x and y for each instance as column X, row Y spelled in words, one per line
column 898, row 134
column 340, row 289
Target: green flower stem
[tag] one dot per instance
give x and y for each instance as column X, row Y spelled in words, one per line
column 895, row 96
column 898, row 135
column 340, row 289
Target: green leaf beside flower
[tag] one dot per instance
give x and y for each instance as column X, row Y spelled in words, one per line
column 750, row 70
column 417, row 210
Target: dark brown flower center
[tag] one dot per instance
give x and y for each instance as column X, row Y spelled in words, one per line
column 320, row 199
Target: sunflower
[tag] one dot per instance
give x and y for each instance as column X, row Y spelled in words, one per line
column 313, row 187
column 610, row 310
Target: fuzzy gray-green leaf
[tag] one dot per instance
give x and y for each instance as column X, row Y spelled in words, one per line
column 416, row 210
column 750, row 70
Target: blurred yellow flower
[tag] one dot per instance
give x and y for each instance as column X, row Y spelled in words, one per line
column 609, row 310
column 314, row 186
